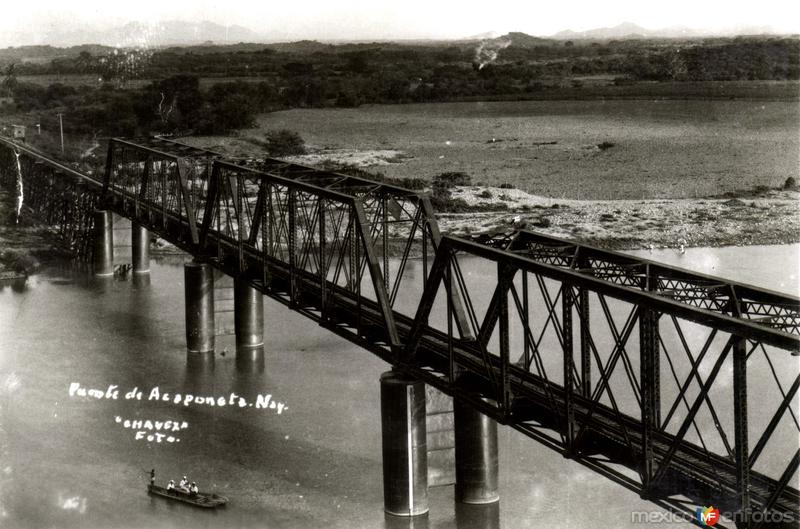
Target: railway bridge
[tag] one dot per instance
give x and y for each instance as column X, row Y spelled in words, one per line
column 679, row 386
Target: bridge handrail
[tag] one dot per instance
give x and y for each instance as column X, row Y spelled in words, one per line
column 738, row 326
column 49, row 162
column 675, row 272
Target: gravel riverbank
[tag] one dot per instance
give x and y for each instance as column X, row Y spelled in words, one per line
column 772, row 217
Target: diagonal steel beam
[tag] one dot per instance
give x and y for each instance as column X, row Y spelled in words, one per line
column 687, row 422
column 791, row 468
column 376, row 277
column 437, row 274
column 773, row 423
column 493, row 310
column 436, row 238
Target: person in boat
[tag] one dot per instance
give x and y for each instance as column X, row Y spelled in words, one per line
column 184, row 484
column 153, row 476
column 193, row 490
column 171, row 485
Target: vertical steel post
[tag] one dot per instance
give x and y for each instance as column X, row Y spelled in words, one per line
column 240, row 217
column 385, row 240
column 583, row 315
column 199, row 298
column 425, row 235
column 248, row 315
column 569, row 360
column 140, row 248
column 269, row 231
column 164, row 169
column 292, row 246
column 323, row 266
column 504, row 277
column 649, row 377
column 405, row 457
column 103, row 243
column 451, row 357
column 586, row 352
column 526, row 309
column 740, row 422
column 476, row 455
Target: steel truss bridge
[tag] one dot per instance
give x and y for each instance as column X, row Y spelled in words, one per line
column 679, row 386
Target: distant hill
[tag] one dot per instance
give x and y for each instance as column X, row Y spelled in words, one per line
column 621, row 31
column 483, row 36
column 629, row 30
column 209, row 37
column 24, row 54
column 523, row 40
column 167, row 33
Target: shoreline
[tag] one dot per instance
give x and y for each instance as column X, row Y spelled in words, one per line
column 768, row 218
column 24, row 247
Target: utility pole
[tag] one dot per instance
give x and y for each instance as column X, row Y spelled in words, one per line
column 61, row 126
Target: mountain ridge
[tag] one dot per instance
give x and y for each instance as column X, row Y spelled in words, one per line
column 630, row 30
column 172, row 33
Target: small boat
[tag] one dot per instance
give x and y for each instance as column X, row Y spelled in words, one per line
column 199, row 499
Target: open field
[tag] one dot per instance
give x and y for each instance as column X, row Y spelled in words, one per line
column 574, row 87
column 650, row 189
column 77, row 80
column 661, row 149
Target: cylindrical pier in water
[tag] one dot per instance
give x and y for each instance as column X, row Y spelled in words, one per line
column 140, row 248
column 248, row 316
column 405, row 457
column 103, row 258
column 476, row 455
column 199, row 298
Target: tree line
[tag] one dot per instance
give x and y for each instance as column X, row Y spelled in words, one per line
column 519, row 60
column 311, row 74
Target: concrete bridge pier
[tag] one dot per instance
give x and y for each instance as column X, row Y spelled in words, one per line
column 199, row 299
column 103, row 255
column 140, row 249
column 248, row 317
column 476, row 455
column 405, row 458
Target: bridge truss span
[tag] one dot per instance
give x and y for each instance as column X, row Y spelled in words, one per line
column 680, row 386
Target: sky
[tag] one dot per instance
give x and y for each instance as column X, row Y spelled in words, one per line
column 379, row 19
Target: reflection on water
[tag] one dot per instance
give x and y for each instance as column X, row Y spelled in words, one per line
column 66, row 463
column 406, row 522
column 771, row 267
column 17, row 284
column 478, row 516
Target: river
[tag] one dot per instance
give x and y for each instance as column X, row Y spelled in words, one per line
column 66, row 461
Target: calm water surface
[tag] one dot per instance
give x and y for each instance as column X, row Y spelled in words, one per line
column 66, row 462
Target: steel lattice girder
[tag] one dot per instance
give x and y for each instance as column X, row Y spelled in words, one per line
column 56, row 194
column 534, row 397
column 377, row 200
column 761, row 308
